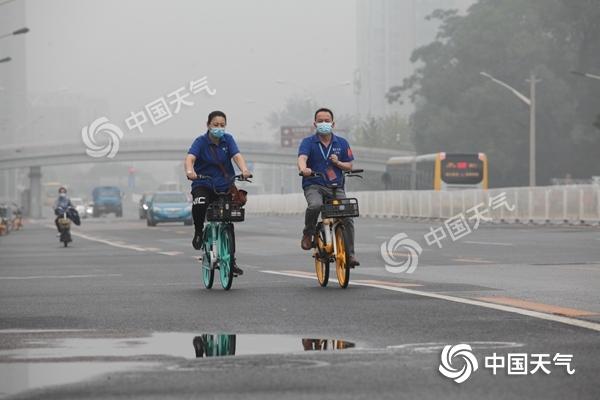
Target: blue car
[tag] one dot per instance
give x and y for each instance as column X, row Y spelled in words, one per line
column 169, row 207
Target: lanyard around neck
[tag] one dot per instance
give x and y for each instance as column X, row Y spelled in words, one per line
column 325, row 156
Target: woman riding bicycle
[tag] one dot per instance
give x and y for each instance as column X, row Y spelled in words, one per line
column 210, row 156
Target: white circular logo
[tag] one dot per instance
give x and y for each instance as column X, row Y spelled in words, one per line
column 463, row 351
column 101, row 126
column 389, row 253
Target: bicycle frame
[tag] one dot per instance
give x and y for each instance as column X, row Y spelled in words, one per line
column 215, row 230
column 329, row 227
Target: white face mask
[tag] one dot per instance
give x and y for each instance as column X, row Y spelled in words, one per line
column 62, row 194
column 324, row 128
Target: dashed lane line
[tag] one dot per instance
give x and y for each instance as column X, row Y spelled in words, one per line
column 500, row 307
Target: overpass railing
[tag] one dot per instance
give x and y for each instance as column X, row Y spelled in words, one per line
column 544, row 204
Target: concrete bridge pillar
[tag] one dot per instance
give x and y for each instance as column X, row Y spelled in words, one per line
column 35, row 192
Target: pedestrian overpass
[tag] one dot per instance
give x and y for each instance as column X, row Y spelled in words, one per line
column 36, row 156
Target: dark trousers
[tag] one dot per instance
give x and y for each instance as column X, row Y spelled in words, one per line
column 314, row 197
column 202, row 197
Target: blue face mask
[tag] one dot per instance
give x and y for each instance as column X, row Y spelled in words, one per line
column 217, row 132
column 324, row 128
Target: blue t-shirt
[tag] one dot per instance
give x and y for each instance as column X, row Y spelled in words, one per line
column 318, row 159
column 206, row 164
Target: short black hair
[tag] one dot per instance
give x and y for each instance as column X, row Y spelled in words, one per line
column 323, row 109
column 215, row 114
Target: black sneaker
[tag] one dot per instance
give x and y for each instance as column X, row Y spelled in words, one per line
column 236, row 270
column 353, row 262
column 197, row 241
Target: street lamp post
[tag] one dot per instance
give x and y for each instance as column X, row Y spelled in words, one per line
column 17, row 32
column 531, row 102
column 586, row 74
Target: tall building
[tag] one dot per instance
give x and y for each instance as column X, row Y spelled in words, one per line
column 387, row 33
column 13, row 87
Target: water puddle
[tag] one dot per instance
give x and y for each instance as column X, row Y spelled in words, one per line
column 33, row 359
column 171, row 344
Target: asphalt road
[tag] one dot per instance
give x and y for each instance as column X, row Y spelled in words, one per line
column 115, row 314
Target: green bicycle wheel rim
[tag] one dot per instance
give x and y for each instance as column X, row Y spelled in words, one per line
column 225, row 258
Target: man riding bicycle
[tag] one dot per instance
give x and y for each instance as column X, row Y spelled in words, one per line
column 210, row 156
column 329, row 155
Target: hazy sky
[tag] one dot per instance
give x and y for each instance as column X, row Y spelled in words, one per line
column 133, row 52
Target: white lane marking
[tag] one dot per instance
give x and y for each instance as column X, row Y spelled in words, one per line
column 14, row 278
column 109, row 242
column 488, row 243
column 535, row 314
column 170, row 253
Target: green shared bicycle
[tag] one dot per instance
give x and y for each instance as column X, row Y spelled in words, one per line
column 218, row 241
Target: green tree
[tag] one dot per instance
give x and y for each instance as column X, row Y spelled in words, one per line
column 297, row 111
column 458, row 110
column 390, row 131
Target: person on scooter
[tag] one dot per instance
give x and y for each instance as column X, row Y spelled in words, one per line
column 61, row 204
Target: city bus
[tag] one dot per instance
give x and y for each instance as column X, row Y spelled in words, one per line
column 437, row 171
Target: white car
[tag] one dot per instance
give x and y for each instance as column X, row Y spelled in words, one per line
column 79, row 206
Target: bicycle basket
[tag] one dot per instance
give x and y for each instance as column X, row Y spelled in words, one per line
column 225, row 212
column 340, row 208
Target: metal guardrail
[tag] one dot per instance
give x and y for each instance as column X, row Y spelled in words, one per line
column 544, row 204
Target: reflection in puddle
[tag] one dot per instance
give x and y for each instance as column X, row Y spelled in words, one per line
column 209, row 345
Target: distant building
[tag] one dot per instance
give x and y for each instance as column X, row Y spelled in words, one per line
column 387, row 33
column 59, row 116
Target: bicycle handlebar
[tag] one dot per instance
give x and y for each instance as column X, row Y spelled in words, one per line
column 347, row 173
column 239, row 177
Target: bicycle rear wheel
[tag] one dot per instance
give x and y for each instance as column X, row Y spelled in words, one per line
column 226, row 257
column 208, row 273
column 341, row 258
column 321, row 267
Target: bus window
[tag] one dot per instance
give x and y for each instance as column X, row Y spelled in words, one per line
column 462, row 169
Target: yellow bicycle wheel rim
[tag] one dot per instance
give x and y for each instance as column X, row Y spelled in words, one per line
column 343, row 274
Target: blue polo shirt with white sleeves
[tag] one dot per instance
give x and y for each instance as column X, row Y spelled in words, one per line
column 206, row 163
column 318, row 158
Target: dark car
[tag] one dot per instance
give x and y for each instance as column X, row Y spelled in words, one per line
column 169, row 207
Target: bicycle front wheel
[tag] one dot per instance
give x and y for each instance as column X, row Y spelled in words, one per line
column 341, row 258
column 208, row 273
column 226, row 257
